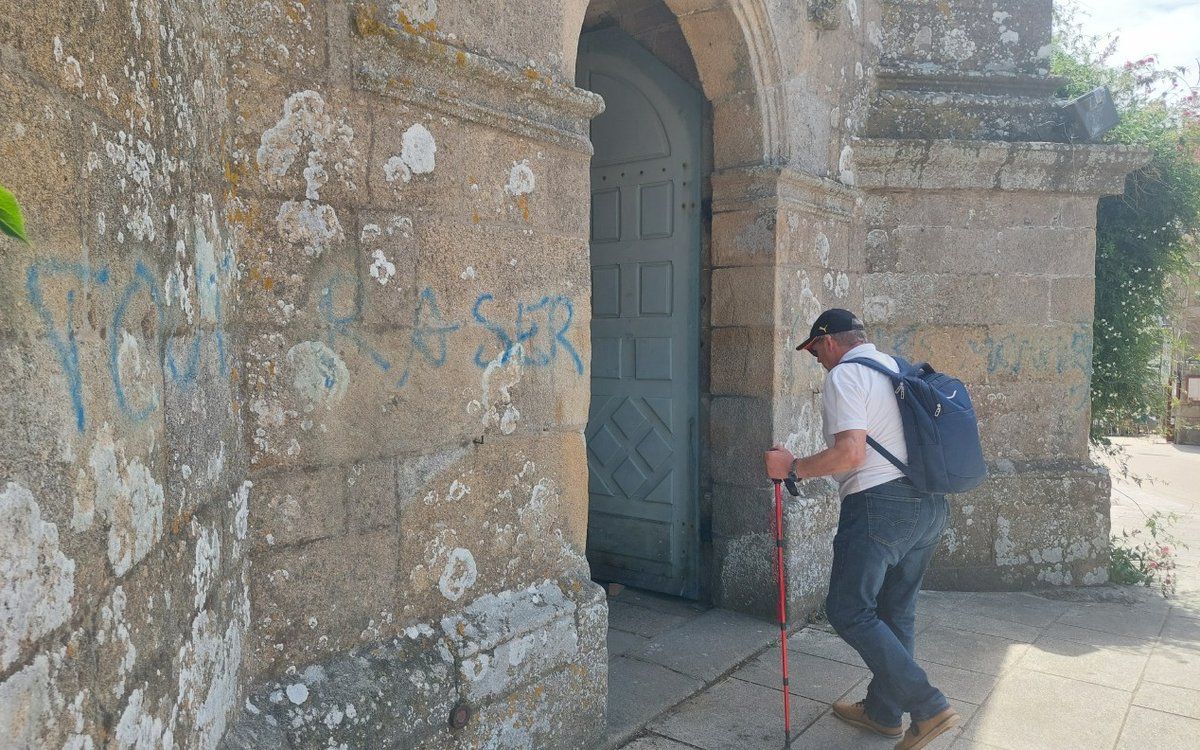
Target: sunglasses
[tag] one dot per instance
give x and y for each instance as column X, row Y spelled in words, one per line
column 812, row 348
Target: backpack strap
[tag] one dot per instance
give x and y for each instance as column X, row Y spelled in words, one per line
column 895, row 377
column 888, row 455
column 871, row 364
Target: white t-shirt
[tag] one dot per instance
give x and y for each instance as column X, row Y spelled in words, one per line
column 858, row 398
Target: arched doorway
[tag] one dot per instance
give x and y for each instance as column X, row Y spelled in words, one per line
column 643, row 426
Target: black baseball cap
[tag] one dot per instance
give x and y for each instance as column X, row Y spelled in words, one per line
column 833, row 320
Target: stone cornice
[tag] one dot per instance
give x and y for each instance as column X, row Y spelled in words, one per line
column 770, row 186
column 393, row 60
column 1089, row 169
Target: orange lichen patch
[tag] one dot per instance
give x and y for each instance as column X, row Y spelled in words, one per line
column 475, row 217
column 71, row 649
column 462, row 628
column 367, row 23
column 268, row 283
column 254, row 274
column 461, row 59
column 523, row 204
column 532, row 74
column 422, row 28
column 233, row 374
column 293, row 13
column 181, row 520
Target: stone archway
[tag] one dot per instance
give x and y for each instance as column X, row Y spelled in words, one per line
column 731, row 46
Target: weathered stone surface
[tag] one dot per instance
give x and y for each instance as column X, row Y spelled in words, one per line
column 298, row 358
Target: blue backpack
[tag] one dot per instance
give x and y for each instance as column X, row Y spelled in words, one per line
column 940, row 429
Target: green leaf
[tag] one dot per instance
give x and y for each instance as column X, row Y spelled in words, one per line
column 11, row 221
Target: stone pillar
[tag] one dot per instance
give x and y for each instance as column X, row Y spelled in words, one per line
column 779, row 238
column 980, row 257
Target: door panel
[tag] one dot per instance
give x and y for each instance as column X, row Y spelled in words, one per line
column 645, row 237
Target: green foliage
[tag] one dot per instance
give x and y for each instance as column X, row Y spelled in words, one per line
column 1146, row 561
column 1145, row 236
column 12, row 223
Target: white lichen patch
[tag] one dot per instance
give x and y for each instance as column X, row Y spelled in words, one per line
column 208, row 676
column 382, row 269
column 128, row 499
column 207, row 563
column 297, row 693
column 957, row 45
column 36, row 579
column 418, row 155
column 211, row 280
column 318, row 374
column 314, row 226
column 841, row 287
column 520, row 179
column 458, row 574
column 307, row 120
column 114, row 632
column 136, row 377
column 25, row 704
column 822, row 243
column 495, row 405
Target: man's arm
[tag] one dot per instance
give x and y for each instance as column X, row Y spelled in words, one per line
column 848, row 452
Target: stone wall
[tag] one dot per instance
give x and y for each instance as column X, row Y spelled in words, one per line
column 298, row 353
column 123, row 484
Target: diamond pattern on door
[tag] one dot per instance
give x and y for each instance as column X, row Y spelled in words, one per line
column 629, row 418
column 654, row 450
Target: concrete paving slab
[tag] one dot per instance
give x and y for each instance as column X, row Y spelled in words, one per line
column 1182, row 630
column 827, row 645
column 639, row 691
column 1103, row 666
column 621, row 643
column 710, row 644
column 736, row 714
column 1097, row 639
column 671, row 605
column 1175, row 665
column 1143, row 620
column 1036, row 711
column 960, row 684
column 655, row 742
column 1026, row 609
column 973, row 651
column 963, row 742
column 977, row 623
column 831, row 733
column 640, row 620
column 1168, row 698
column 1154, row 729
column 811, row 676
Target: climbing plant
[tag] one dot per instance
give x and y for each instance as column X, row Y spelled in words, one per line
column 1144, row 237
column 12, row 223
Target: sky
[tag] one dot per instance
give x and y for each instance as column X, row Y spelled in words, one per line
column 1167, row 28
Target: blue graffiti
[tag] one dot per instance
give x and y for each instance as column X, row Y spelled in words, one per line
column 539, row 331
column 559, row 315
column 62, row 338
column 64, row 345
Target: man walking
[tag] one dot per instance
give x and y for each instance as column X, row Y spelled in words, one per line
column 887, row 533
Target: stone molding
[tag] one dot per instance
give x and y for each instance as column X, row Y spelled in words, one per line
column 392, row 61
column 764, row 186
column 1086, row 169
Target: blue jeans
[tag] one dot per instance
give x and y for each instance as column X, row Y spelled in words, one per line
column 886, row 536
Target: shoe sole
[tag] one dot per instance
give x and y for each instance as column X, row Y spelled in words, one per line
column 869, row 728
column 948, row 723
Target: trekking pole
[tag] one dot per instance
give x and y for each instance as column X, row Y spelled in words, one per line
column 783, row 630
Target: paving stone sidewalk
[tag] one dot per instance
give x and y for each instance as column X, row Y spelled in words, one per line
column 1093, row 669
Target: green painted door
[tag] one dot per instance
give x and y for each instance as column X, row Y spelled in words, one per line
column 645, row 247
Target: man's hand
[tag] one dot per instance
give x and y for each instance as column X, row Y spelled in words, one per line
column 779, row 462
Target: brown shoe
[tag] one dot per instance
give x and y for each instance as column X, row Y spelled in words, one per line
column 856, row 714
column 921, row 733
